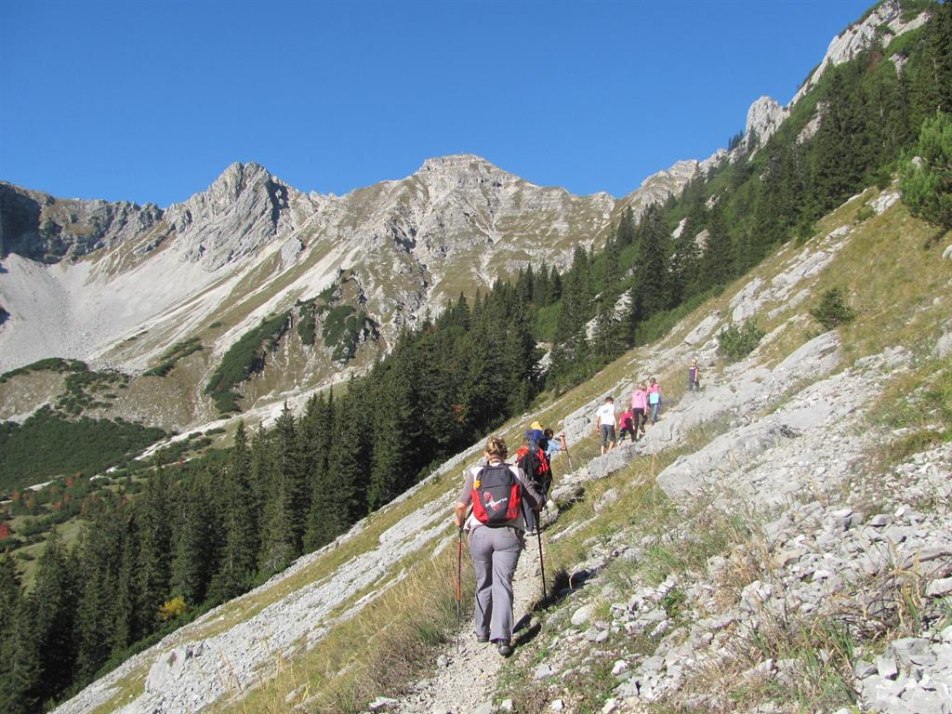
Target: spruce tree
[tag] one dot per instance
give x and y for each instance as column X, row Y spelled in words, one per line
column 21, row 676
column 652, row 292
column 718, row 261
column 100, row 559
column 240, row 543
column 53, row 605
column 153, row 512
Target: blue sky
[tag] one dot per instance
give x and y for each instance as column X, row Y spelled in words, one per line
column 148, row 101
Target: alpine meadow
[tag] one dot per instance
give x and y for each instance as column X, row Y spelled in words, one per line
column 234, row 429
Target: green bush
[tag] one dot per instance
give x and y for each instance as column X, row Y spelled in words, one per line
column 735, row 342
column 926, row 181
column 833, row 310
column 53, row 364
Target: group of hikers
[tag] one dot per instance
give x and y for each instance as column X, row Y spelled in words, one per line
column 645, row 405
column 500, row 502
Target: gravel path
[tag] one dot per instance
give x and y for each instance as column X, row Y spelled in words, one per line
column 466, row 671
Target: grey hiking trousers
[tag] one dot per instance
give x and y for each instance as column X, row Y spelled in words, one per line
column 495, row 553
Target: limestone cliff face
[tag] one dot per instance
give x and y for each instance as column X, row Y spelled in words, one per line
column 242, row 211
column 763, row 119
column 884, row 23
column 117, row 284
column 47, row 229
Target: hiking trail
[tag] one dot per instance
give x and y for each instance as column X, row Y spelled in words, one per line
column 465, row 675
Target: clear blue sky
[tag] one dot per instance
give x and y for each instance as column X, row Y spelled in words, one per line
column 149, row 100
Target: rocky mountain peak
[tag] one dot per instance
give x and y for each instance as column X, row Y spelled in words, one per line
column 763, row 118
column 240, row 212
column 884, row 23
column 464, row 171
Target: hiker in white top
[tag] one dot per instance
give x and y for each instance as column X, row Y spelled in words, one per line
column 495, row 547
column 605, row 423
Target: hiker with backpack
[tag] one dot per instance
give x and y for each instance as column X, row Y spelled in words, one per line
column 534, row 462
column 499, row 493
column 654, row 399
column 639, row 408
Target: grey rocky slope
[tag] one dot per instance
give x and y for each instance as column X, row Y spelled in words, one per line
column 117, row 284
column 780, row 447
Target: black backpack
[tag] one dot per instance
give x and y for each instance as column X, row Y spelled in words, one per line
column 497, row 495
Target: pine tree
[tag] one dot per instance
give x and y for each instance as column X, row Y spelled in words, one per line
column 340, row 494
column 277, row 530
column 926, row 181
column 100, row 560
column 609, row 340
column 240, row 543
column 291, row 464
column 53, row 606
column 153, row 512
column 316, row 435
column 625, row 232
column 20, row 670
column 196, row 544
column 652, row 280
column 395, row 460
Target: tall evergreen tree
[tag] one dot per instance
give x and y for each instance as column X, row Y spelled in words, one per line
column 625, row 232
column 652, row 292
column 718, row 260
column 153, row 512
column 197, row 543
column 277, row 548
column 20, row 673
column 100, row 560
column 53, row 606
column 237, row 568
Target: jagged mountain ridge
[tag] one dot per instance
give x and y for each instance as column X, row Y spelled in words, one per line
column 117, row 284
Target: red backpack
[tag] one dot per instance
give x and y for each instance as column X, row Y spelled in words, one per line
column 497, row 495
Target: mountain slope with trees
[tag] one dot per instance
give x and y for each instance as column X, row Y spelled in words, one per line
column 203, row 531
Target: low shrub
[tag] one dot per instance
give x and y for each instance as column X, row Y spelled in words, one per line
column 833, row 310
column 735, row 342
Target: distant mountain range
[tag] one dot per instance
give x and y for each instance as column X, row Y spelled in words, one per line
column 119, row 285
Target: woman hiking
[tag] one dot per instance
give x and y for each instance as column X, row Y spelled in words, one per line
column 494, row 544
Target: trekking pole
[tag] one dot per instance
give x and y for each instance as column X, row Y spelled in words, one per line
column 565, row 448
column 538, row 529
column 545, row 595
column 459, row 587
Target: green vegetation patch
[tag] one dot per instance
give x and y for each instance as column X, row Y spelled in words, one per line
column 343, row 329
column 48, row 444
column 178, row 351
column 52, row 364
column 735, row 342
column 245, row 358
column 307, row 322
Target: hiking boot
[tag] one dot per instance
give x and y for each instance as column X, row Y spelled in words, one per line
column 504, row 648
column 482, row 639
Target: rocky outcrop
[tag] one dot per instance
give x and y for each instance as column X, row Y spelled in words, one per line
column 47, row 230
column 883, row 24
column 763, row 119
column 241, row 212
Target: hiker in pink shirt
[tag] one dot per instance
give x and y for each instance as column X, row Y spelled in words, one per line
column 639, row 407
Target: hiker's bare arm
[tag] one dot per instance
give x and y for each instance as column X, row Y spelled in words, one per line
column 459, row 515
